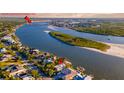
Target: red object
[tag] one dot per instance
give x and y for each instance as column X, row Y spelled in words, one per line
column 28, row 19
column 60, row 61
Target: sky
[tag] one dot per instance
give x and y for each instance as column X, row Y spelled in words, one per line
column 64, row 15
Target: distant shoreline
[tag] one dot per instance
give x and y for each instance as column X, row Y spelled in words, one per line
column 114, row 50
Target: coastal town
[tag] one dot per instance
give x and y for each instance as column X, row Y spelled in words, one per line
column 20, row 62
column 72, row 23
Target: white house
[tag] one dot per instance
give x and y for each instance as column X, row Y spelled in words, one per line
column 9, row 39
column 28, row 78
column 3, row 50
column 60, row 67
column 49, row 60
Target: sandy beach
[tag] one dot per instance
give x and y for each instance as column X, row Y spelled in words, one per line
column 115, row 50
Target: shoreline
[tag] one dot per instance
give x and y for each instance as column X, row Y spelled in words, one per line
column 66, row 61
column 116, row 50
column 19, row 42
column 82, row 43
column 82, row 32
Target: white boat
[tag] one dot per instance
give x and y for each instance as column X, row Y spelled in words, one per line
column 47, row 31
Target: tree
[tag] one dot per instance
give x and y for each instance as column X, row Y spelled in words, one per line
column 51, row 72
column 35, row 74
column 1, row 74
column 1, row 54
column 5, row 75
column 49, row 69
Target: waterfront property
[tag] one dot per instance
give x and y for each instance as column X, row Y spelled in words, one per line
column 19, row 62
column 59, row 67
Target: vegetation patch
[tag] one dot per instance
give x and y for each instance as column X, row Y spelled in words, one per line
column 77, row 41
column 113, row 29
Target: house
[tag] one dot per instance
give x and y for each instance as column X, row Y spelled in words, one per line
column 62, row 74
column 11, row 68
column 49, row 60
column 46, row 78
column 6, row 37
column 60, row 60
column 34, row 51
column 42, row 57
column 67, row 62
column 54, row 58
column 60, row 67
column 27, row 77
column 66, row 71
column 5, row 57
column 46, row 54
column 59, row 76
column 24, row 76
column 9, row 39
column 78, row 78
column 71, row 74
column 3, row 50
column 19, row 71
column 15, row 58
column 31, row 66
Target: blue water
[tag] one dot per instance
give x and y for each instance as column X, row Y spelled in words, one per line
column 102, row 38
column 100, row 65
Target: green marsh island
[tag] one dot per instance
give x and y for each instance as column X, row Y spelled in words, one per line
column 77, row 41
